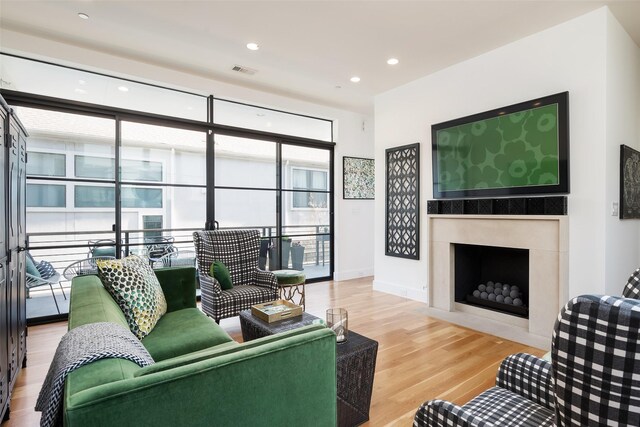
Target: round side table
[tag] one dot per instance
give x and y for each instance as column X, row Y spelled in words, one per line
column 291, row 283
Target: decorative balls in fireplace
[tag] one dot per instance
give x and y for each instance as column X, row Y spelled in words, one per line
column 499, row 292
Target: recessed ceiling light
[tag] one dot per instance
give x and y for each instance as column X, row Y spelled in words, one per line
column 355, row 79
column 338, row 87
column 253, row 46
column 82, row 82
column 83, row 15
column 123, row 89
column 78, row 90
column 392, row 61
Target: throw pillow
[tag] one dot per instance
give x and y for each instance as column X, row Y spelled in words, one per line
column 220, row 272
column 46, row 270
column 31, row 268
column 135, row 287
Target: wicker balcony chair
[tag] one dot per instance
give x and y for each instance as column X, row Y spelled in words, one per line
column 592, row 379
column 238, row 250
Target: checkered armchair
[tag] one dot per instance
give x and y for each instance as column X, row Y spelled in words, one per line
column 632, row 288
column 522, row 396
column 593, row 379
column 238, row 250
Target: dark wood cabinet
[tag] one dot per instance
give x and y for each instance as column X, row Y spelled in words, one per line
column 13, row 320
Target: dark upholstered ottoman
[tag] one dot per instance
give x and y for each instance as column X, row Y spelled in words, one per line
column 355, row 364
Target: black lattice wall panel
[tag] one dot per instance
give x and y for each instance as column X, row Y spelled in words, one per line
column 403, row 201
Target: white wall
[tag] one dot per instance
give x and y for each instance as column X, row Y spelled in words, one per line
column 353, row 219
column 623, row 110
column 569, row 57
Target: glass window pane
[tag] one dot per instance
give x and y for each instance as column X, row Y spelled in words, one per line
column 246, row 209
column 94, row 197
column 241, row 162
column 299, row 178
column 30, row 76
column 300, row 200
column 302, row 207
column 163, row 154
column 308, row 253
column 46, row 196
column 140, row 170
column 252, row 117
column 137, row 197
column 46, row 164
column 319, row 181
column 57, row 135
column 183, row 210
column 312, row 162
column 94, row 167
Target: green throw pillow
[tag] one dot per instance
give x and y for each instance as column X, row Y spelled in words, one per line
column 31, row 269
column 135, row 287
column 220, row 272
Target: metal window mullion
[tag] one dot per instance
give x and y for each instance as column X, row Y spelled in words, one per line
column 118, row 204
column 279, row 200
column 331, row 211
column 210, row 177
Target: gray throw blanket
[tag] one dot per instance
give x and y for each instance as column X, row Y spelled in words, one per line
column 80, row 346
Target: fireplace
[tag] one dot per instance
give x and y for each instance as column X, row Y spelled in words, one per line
column 494, row 278
column 545, row 239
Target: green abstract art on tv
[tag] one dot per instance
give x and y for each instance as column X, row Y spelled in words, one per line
column 513, row 150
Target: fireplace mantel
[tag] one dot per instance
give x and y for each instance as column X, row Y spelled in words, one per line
column 546, row 238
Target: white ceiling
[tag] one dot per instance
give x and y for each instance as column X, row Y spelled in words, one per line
column 309, row 49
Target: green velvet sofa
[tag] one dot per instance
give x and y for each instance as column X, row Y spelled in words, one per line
column 201, row 376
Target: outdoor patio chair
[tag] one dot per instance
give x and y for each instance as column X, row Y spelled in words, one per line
column 238, row 250
column 42, row 274
column 83, row 267
column 102, row 248
column 159, row 246
column 592, row 379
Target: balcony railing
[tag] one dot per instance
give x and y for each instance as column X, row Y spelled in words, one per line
column 62, row 249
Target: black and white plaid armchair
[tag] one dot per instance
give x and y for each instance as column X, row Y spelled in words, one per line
column 593, row 379
column 238, row 250
column 632, row 288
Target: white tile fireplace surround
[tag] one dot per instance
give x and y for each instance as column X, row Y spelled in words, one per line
column 546, row 238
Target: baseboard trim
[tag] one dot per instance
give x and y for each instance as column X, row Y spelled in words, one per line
column 339, row 276
column 401, row 291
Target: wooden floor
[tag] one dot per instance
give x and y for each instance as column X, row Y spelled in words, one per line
column 419, row 358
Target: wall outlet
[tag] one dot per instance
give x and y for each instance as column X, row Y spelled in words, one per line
column 614, row 209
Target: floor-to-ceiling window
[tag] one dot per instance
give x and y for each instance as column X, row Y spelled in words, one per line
column 163, row 181
column 114, row 170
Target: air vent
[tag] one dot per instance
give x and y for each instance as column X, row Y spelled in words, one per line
column 244, row 70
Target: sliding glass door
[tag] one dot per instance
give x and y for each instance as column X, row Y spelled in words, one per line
column 163, row 192
column 71, row 207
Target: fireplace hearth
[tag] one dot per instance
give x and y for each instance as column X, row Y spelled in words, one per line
column 494, row 278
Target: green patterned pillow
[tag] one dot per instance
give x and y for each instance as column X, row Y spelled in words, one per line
column 135, row 287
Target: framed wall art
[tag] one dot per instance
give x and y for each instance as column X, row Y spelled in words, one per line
column 403, row 201
column 629, row 183
column 358, row 178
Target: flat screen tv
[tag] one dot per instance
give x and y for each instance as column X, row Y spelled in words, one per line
column 517, row 150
